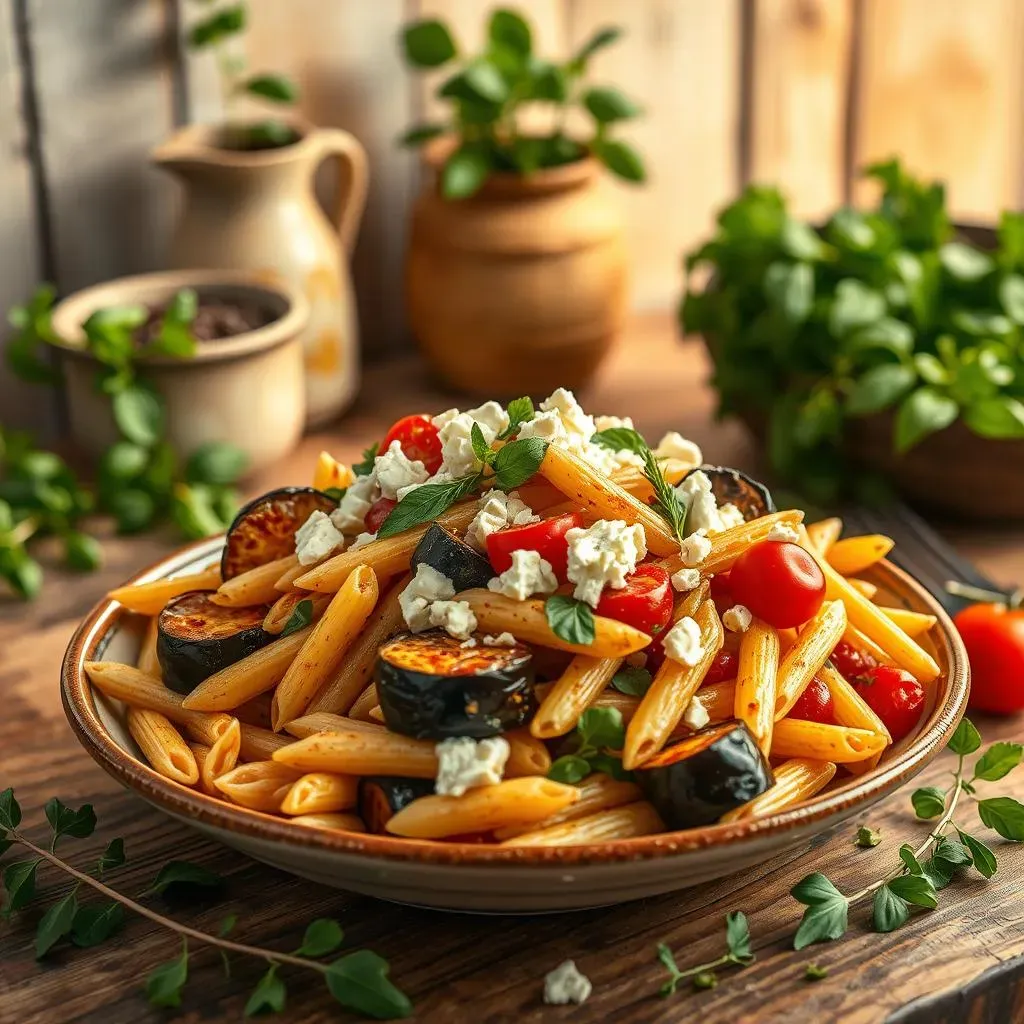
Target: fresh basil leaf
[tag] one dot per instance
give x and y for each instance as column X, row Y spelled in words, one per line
column 878, row 388
column 938, row 872
column 224, row 22
column 982, row 856
column 929, row 802
column 889, row 912
column 952, row 853
column 139, row 414
column 610, row 766
column 965, row 263
column 1005, row 815
column 621, row 159
column 481, row 449
column 164, row 983
column 601, row 728
column 966, row 739
column 669, row 963
column 790, row 288
column 95, row 923
column 867, row 837
column 509, row 30
column 300, row 618
column 910, row 860
column 518, row 461
column 183, row 872
column 607, row 105
column 916, row 889
column 268, row 996
column 888, row 334
column 998, row 416
column 737, row 937
column 923, row 412
column 323, row 936
column 20, row 883
column 64, row 821
column 855, row 305
column 112, row 857
column 998, row 761
column 520, row 411
column 216, row 463
column 227, row 926
column 425, row 504
column 359, row 981
column 618, row 439
column 570, row 620
column 822, row 922
column 365, row 468
column 814, row 889
column 569, row 769
column 55, row 923
column 633, row 681
column 428, row 43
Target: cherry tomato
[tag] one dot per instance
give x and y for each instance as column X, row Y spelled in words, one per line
column 723, row 667
column 379, row 511
column 895, row 696
column 779, row 582
column 851, row 663
column 419, row 440
column 721, row 590
column 547, row 537
column 645, row 602
column 815, row 704
column 994, row 637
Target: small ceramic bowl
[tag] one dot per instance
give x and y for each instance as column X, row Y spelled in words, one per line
column 460, row 876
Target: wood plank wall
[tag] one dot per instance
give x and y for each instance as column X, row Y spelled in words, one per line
column 796, row 92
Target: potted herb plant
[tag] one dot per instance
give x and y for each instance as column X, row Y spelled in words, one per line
column 516, row 267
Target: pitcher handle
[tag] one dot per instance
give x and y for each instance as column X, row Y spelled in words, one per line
column 353, row 178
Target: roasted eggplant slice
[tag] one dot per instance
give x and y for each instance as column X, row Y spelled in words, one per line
column 730, row 486
column 196, row 638
column 454, row 558
column 381, row 796
column 265, row 529
column 431, row 687
column 695, row 781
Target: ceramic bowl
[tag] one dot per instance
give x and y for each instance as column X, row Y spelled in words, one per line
column 460, row 876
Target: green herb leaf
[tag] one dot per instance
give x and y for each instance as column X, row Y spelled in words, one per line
column 569, row 769
column 813, row 972
column 22, row 572
column 867, row 837
column 938, row 872
column 878, row 388
column 1011, row 297
column 737, row 937
column 428, row 43
column 621, row 159
column 481, row 449
column 916, row 889
column 216, row 463
column 929, row 802
column 268, row 996
column 227, row 926
column 139, row 414
column 82, row 552
column 598, row 41
column 300, row 618
column 1005, row 815
column 607, row 105
column 64, row 821
column 924, row 411
column 910, row 861
column 55, row 923
column 133, row 509
column 520, row 411
column 965, row 263
column 425, row 504
column 855, row 305
column 518, row 461
column 998, row 761
column 610, row 766
column 669, row 962
column 360, row 982
column 826, row 915
column 889, row 911
column 601, row 728
column 10, row 810
column 323, row 936
column 997, row 416
column 365, row 468
column 981, row 854
column 183, row 872
column 464, row 172
column 164, row 983
column 276, row 88
column 112, row 857
column 510, row 30
column 790, row 288
column 421, row 133
column 887, row 334
column 966, row 739
column 951, row 853
column 633, row 681
column 20, row 883
column 621, row 439
column 570, row 620
column 95, row 923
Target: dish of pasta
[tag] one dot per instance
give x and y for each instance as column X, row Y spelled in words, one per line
column 522, row 626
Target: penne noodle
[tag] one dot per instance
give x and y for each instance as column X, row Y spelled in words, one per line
column 375, row 714
column 163, row 746
column 811, row 650
column 259, row 744
column 663, row 705
column 526, row 620
column 632, row 478
column 342, row 822
column 324, row 721
column 840, row 744
column 256, row 586
column 281, row 610
column 757, row 682
column 255, row 711
column 321, row 793
column 824, row 533
column 526, row 755
column 361, row 753
column 341, row 690
column 221, row 757
column 795, row 780
column 864, row 587
column 718, row 699
column 626, row 822
column 624, row 703
column 254, row 674
column 856, row 639
column 574, row 691
column 150, row 598
column 512, row 802
column 596, row 493
column 851, row 709
column 147, row 661
column 914, row 624
column 285, row 583
column 137, row 690
column 259, row 785
column 852, row 555
column 597, row 792
column 200, row 751
column 364, row 704
column 330, row 473
column 325, row 647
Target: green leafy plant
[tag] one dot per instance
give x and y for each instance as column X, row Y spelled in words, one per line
column 220, row 30
column 598, row 731
column 877, row 311
column 739, row 954
column 358, row 980
column 487, row 93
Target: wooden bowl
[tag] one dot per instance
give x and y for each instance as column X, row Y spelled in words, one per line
column 461, row 876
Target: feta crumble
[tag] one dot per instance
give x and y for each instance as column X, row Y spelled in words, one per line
column 501, row 640
column 783, row 532
column 498, row 511
column 454, row 430
column 317, row 538
column 695, row 549
column 469, row 642
column 362, row 540
column 355, row 503
column 686, row 579
column 702, row 509
column 696, row 715
column 464, row 763
column 456, row 618
column 603, row 554
column 674, row 446
column 427, row 586
column 565, row 984
column 529, row 574
column 682, row 642
column 613, row 422
column 395, row 472
column 737, row 618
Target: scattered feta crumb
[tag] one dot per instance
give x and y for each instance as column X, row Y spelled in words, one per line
column 613, row 422
column 682, row 642
column 362, row 540
column 694, row 549
column 686, row 579
column 729, row 516
column 355, row 503
column 464, row 763
column 783, row 531
column 456, row 618
column 454, row 430
column 565, row 984
column 317, row 538
column 603, row 554
column 529, row 574
column 498, row 511
column 469, row 642
column 696, row 715
column 737, row 618
column 427, row 586
column 394, row 471
column 674, row 446
column 501, row 640
column 702, row 510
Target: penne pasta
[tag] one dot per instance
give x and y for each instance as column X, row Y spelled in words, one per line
column 283, row 608
column 257, row 744
column 811, row 650
column 852, row 555
column 324, row 721
column 259, row 785
column 632, row 479
column 856, row 639
column 255, row 711
column 150, row 598
column 163, row 746
column 340, row 822
column 221, row 757
column 200, row 751
column 285, row 583
column 824, row 533
column 840, row 744
column 364, row 704
column 526, row 755
column 795, row 780
column 574, row 691
column 147, row 661
column 756, row 682
column 625, row 822
column 321, row 793
column 361, row 753
column 256, row 586
column 914, row 624
column 851, row 709
column 512, row 802
column 863, row 587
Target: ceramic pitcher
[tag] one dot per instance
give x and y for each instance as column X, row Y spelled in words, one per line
column 256, row 210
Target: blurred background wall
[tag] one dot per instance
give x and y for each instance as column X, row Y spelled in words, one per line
column 793, row 92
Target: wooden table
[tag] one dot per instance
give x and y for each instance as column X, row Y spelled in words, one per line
column 961, row 962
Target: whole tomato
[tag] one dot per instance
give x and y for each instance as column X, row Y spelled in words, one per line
column 851, row 663
column 895, row 696
column 994, row 637
column 779, row 582
column 815, row 704
column 419, row 441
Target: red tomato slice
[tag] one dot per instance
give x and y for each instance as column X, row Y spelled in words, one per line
column 547, row 537
column 779, row 582
column 379, row 511
column 419, row 441
column 851, row 663
column 815, row 704
column 645, row 602
column 994, row 637
column 895, row 696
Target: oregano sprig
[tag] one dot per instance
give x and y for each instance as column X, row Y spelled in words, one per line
column 739, row 954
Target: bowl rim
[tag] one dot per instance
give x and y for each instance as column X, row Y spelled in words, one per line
column 179, row 800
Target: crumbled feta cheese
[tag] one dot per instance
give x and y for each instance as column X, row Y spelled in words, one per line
column 454, row 430
column 355, row 503
column 469, row 642
column 695, row 549
column 427, row 586
column 686, row 579
column 529, row 574
column 501, row 640
column 737, row 618
column 464, row 763
column 730, row 516
column 563, row 402
column 316, row 538
column 603, row 554
column 783, row 531
column 613, row 422
column 565, row 984
column 682, row 642
column 362, row 540
column 674, row 446
column 395, row 472
column 498, row 511
column 456, row 618
column 696, row 715
column 702, row 510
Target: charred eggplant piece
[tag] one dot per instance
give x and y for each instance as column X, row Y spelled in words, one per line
column 454, row 558
column 431, row 687
column 382, row 796
column 265, row 529
column 697, row 780
column 196, row 638
column 730, row 486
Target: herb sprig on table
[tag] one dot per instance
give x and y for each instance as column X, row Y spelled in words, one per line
column 357, row 980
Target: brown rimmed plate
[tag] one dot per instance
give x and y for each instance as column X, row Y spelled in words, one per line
column 460, row 876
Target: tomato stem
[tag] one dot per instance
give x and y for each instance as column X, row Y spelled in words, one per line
column 972, row 593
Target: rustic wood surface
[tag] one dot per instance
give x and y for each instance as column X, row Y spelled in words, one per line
column 961, row 962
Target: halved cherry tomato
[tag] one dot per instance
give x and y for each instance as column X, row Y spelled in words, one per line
column 895, row 696
column 379, row 511
column 779, row 582
column 815, row 704
column 645, row 602
column 723, row 667
column 851, row 663
column 547, row 537
column 994, row 637
column 419, row 440
column 721, row 590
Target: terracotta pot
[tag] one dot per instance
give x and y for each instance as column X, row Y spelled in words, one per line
column 256, row 210
column 247, row 390
column 521, row 288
